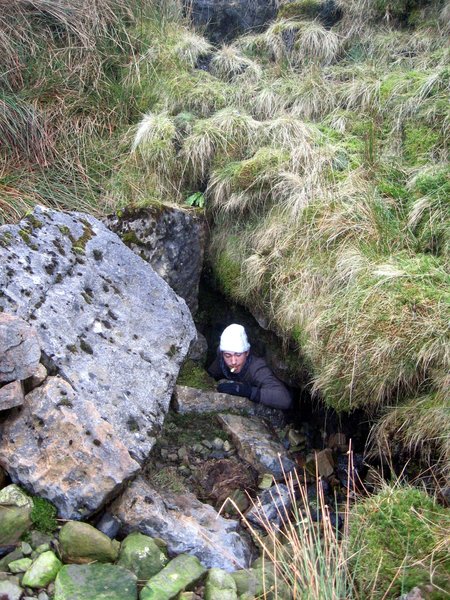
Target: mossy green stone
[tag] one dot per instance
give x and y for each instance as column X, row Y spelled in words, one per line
column 13, row 494
column 20, row 565
column 183, row 571
column 43, row 570
column 142, row 556
column 8, row 559
column 80, row 543
column 220, row 585
column 96, row 581
column 249, row 581
column 14, row 521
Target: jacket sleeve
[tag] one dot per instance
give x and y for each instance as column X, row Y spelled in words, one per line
column 272, row 391
column 214, row 369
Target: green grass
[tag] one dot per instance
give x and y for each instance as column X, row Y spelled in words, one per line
column 399, row 539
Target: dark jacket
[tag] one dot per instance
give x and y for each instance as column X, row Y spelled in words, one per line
column 271, row 391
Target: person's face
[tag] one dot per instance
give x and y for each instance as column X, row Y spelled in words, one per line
column 235, row 360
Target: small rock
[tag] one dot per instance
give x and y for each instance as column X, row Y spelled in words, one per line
column 265, row 481
column 207, row 444
column 43, row 548
column 142, row 556
column 197, row 448
column 183, row 453
column 220, row 585
column 183, row 571
column 43, row 596
column 226, row 446
column 43, row 570
column 272, row 505
column 20, row 565
column 322, row 462
column 173, row 457
column 26, row 548
column 10, row 590
column 82, row 543
column 217, row 444
column 217, row 454
column 164, row 453
column 240, row 502
column 109, row 525
column 14, row 521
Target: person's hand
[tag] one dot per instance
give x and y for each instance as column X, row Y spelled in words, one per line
column 237, row 388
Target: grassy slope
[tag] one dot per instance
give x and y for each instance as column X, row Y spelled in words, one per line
column 323, row 155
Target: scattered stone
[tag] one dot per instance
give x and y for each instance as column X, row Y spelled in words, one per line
column 296, row 438
column 43, row 596
column 13, row 555
column 81, row 543
column 43, row 570
column 95, row 580
column 183, row 453
column 220, row 585
column 186, row 524
column 142, row 556
column 249, row 581
column 239, row 502
column 13, row 495
column 217, row 443
column 14, row 521
column 271, row 506
column 20, row 352
column 257, row 445
column 109, row 525
column 60, row 448
column 10, row 590
column 181, row 572
column 321, row 462
column 11, row 395
column 20, row 565
column 226, row 446
column 265, row 481
column 26, row 548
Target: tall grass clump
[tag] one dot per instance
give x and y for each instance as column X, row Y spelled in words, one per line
column 304, row 553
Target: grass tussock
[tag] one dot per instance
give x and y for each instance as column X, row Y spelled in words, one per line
column 400, row 540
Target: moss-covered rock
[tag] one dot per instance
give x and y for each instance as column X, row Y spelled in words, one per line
column 14, row 521
column 142, row 556
column 307, row 9
column 220, row 585
column 181, row 573
column 99, row 581
column 82, row 543
column 42, row 571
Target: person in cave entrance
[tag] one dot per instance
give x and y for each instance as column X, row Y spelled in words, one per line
column 246, row 375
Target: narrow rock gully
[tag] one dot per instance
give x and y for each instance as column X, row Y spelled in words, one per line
column 238, row 456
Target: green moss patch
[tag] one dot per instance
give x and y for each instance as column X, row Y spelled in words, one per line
column 398, row 539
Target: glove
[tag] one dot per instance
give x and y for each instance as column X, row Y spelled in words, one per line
column 237, row 388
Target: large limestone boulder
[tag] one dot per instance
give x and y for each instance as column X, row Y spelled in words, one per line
column 184, row 523
column 106, row 322
column 59, row 447
column 172, row 240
